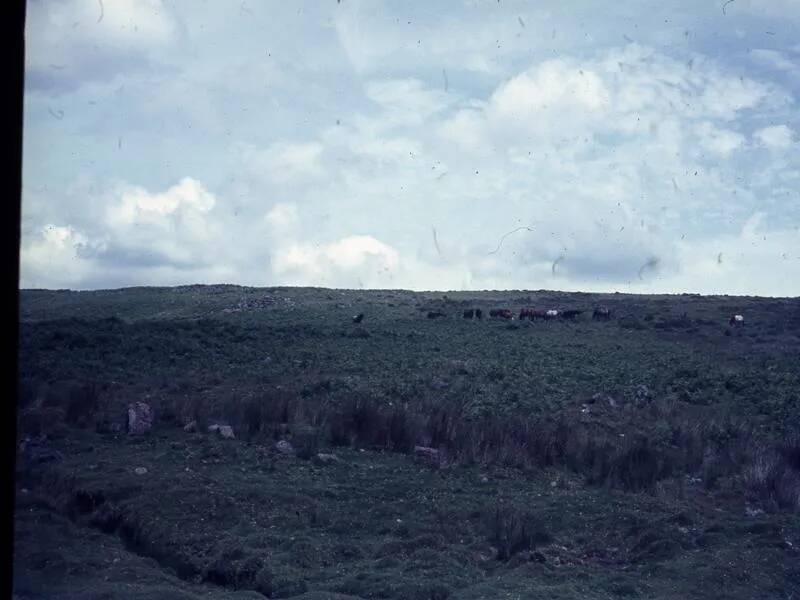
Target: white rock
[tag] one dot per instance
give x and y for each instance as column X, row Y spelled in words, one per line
column 140, row 471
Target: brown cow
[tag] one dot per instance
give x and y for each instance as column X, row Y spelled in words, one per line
column 601, row 313
column 501, row 312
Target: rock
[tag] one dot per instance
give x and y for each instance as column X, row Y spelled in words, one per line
column 439, row 384
column 601, row 398
column 190, row 427
column 37, row 450
column 642, row 394
column 284, row 447
column 225, row 431
column 428, row 456
column 325, row 459
column 140, row 471
column 140, row 418
column 753, row 512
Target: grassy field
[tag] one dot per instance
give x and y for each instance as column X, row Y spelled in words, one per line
column 655, row 455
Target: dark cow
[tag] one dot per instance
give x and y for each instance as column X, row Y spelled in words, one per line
column 526, row 313
column 571, row 314
column 358, row 318
column 435, row 314
column 469, row 314
column 736, row 321
column 501, row 312
column 478, row 313
column 601, row 313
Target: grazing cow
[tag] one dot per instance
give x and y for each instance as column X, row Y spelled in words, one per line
column 469, row 314
column 501, row 312
column 571, row 314
column 736, row 321
column 526, row 313
column 601, row 313
column 435, row 314
column 358, row 318
column 538, row 315
column 478, row 313
column 551, row 314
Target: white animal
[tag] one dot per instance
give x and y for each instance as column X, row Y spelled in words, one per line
column 552, row 313
column 736, row 320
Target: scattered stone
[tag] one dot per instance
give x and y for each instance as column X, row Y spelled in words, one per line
column 284, row 447
column 140, row 418
column 140, row 471
column 226, row 431
column 325, row 459
column 190, row 427
column 642, row 395
column 601, row 398
column 753, row 512
column 213, row 429
column 439, row 384
column 37, row 450
column 428, row 456
column 484, row 479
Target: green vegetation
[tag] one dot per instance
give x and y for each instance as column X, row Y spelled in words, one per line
column 652, row 456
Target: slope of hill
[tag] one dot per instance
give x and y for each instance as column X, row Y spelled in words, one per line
column 654, row 455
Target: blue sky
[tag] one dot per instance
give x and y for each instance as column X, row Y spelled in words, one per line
column 650, row 147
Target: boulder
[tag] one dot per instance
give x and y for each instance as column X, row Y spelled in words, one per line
column 140, row 418
column 140, row 470
column 190, row 427
column 213, row 429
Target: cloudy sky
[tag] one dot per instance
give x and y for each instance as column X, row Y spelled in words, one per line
column 473, row 144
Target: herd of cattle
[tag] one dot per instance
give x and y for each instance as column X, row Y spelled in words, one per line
column 601, row 313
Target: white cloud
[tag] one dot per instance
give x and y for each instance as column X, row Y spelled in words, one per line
column 70, row 42
column 51, row 258
column 717, row 140
column 348, row 261
column 776, row 136
column 330, row 144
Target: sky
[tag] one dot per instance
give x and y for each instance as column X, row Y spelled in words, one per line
column 637, row 147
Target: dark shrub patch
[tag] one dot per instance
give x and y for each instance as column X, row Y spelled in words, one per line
column 512, row 531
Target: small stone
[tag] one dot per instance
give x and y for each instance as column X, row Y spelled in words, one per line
column 190, row 427
column 484, row 479
column 553, row 483
column 226, row 431
column 213, row 429
column 284, row 447
column 140, row 471
column 325, row 459
column 428, row 456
